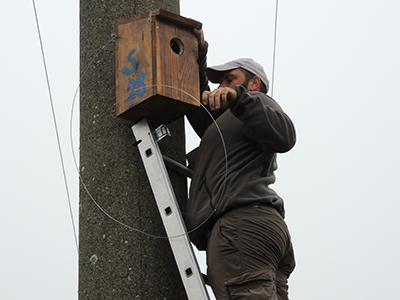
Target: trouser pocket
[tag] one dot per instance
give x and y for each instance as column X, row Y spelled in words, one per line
column 259, row 285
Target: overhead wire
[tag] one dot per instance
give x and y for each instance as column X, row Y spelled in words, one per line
column 274, row 52
column 55, row 125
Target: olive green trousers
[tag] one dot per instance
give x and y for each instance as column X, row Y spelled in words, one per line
column 250, row 255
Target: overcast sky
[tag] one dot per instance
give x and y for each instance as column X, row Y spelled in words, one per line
column 337, row 76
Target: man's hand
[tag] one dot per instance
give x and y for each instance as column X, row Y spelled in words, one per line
column 200, row 36
column 219, row 98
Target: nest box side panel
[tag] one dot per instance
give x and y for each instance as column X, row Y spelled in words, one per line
column 134, row 65
column 176, row 56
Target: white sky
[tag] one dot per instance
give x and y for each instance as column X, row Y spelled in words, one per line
column 337, row 76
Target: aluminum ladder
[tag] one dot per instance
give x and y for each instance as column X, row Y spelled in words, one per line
column 164, row 195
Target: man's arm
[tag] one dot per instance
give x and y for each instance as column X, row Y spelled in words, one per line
column 264, row 120
column 199, row 118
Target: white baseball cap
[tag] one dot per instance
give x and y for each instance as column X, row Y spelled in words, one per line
column 215, row 73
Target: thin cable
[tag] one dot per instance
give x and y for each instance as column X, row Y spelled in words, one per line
column 113, row 37
column 274, row 59
column 55, row 125
column 107, row 214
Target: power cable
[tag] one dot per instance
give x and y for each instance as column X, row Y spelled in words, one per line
column 55, row 125
column 274, row 53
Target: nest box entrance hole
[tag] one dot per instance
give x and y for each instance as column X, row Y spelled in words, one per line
column 177, row 46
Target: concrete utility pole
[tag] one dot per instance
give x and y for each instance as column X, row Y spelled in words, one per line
column 114, row 261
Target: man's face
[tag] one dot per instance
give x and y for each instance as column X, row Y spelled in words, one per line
column 233, row 78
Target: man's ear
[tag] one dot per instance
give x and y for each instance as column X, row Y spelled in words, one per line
column 254, row 84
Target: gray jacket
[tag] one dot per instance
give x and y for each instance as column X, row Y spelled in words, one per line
column 252, row 131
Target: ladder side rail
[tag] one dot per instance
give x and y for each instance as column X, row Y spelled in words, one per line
column 169, row 211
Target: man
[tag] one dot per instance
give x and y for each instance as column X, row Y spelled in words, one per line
column 232, row 213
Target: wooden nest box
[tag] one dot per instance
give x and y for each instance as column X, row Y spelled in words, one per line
column 157, row 75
